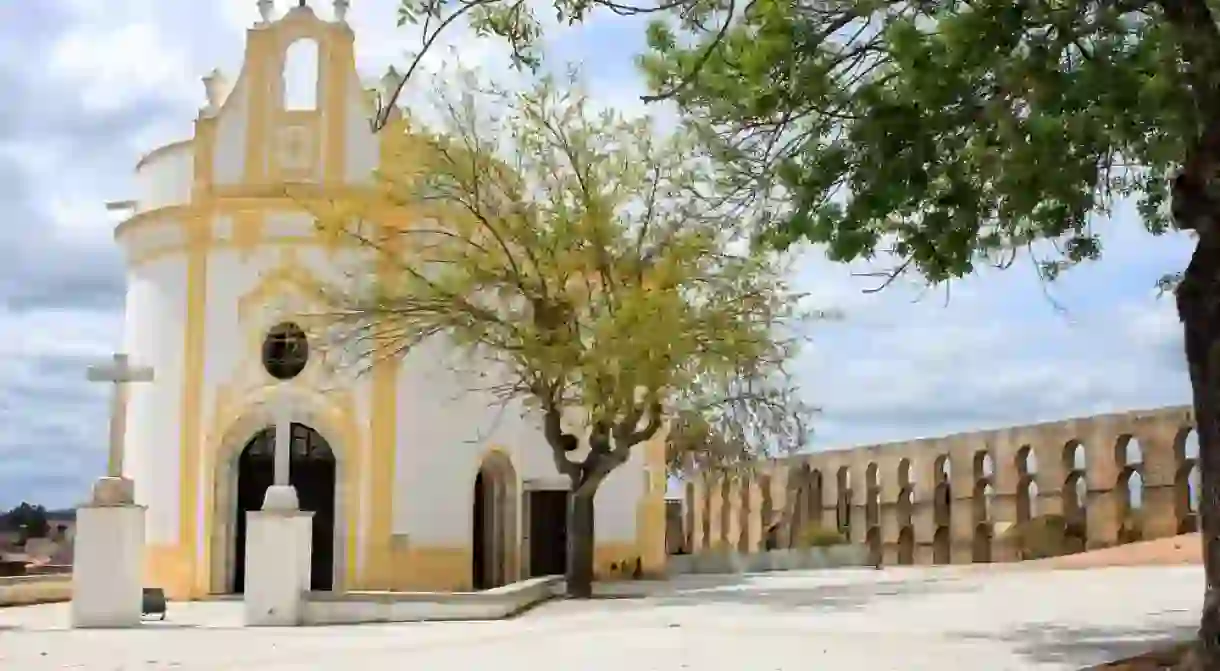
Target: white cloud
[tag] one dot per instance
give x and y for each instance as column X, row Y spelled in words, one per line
column 110, row 67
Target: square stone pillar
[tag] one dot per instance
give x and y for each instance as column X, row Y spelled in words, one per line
column 278, row 549
column 107, row 574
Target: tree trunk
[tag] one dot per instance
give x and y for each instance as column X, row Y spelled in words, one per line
column 580, row 544
column 1199, row 309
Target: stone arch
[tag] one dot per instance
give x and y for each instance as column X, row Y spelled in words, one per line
column 843, row 500
column 943, row 494
column 873, row 539
column 983, row 465
column 982, row 543
column 813, row 502
column 1026, row 465
column 494, row 514
column 906, row 546
column 872, row 490
column 768, row 524
column 705, row 538
column 798, row 495
column 311, row 473
column 726, row 509
column 304, row 408
column 743, row 513
column 906, row 493
column 942, row 509
column 301, row 75
column 688, row 526
column 983, row 492
column 982, row 502
column 1075, row 490
column 940, row 546
column 1186, row 480
column 1129, row 488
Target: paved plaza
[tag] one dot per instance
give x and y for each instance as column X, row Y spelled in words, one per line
column 901, row 619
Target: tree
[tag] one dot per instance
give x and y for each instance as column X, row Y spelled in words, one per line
column 945, row 135
column 574, row 267
column 30, row 520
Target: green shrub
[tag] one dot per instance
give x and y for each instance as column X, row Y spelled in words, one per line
column 815, row 536
column 1048, row 536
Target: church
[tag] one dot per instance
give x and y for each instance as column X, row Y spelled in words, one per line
column 416, row 482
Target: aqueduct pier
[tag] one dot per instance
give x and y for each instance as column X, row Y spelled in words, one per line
column 1117, row 477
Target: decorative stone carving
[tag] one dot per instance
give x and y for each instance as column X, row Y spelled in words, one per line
column 266, row 9
column 295, row 148
column 214, row 84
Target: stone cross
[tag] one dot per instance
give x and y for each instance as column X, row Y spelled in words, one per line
column 283, row 442
column 118, row 373
column 281, row 495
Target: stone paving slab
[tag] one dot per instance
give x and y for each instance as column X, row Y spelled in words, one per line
column 907, row 619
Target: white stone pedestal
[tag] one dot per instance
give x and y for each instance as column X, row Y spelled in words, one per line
column 108, row 569
column 277, row 580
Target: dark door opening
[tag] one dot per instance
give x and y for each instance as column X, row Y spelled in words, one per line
column 478, row 568
column 548, row 532
column 312, row 472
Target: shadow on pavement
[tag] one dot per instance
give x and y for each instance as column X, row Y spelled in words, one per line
column 754, row 590
column 1087, row 646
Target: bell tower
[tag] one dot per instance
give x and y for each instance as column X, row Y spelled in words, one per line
column 298, row 80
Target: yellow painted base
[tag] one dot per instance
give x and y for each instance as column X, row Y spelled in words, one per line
column 167, row 567
column 429, row 569
column 408, row 569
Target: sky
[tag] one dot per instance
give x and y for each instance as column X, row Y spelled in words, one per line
column 87, row 87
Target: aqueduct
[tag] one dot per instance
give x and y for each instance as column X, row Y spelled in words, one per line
column 1118, row 477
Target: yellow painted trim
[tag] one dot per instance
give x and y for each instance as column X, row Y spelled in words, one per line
column 383, row 455
column 340, row 62
column 650, row 509
column 192, row 391
column 235, row 422
column 428, row 568
column 257, row 70
column 165, row 568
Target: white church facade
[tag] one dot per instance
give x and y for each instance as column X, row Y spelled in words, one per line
column 416, row 482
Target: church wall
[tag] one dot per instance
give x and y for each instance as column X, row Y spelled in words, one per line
column 164, row 177
column 362, row 146
column 154, row 322
column 249, row 290
column 408, row 438
column 446, row 427
column 229, row 153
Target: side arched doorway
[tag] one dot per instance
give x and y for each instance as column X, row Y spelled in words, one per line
column 495, row 540
column 312, row 472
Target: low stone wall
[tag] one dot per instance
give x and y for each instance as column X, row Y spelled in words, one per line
column 30, row 589
column 834, row 556
column 493, row 604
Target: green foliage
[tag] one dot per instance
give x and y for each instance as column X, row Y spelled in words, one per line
column 942, row 133
column 563, row 250
column 29, row 519
column 1047, row 536
column 813, row 535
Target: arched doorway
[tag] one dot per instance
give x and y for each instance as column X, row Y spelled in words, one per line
column 941, row 548
column 312, row 472
column 906, row 546
column 494, row 524
column 982, row 543
column 873, row 540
